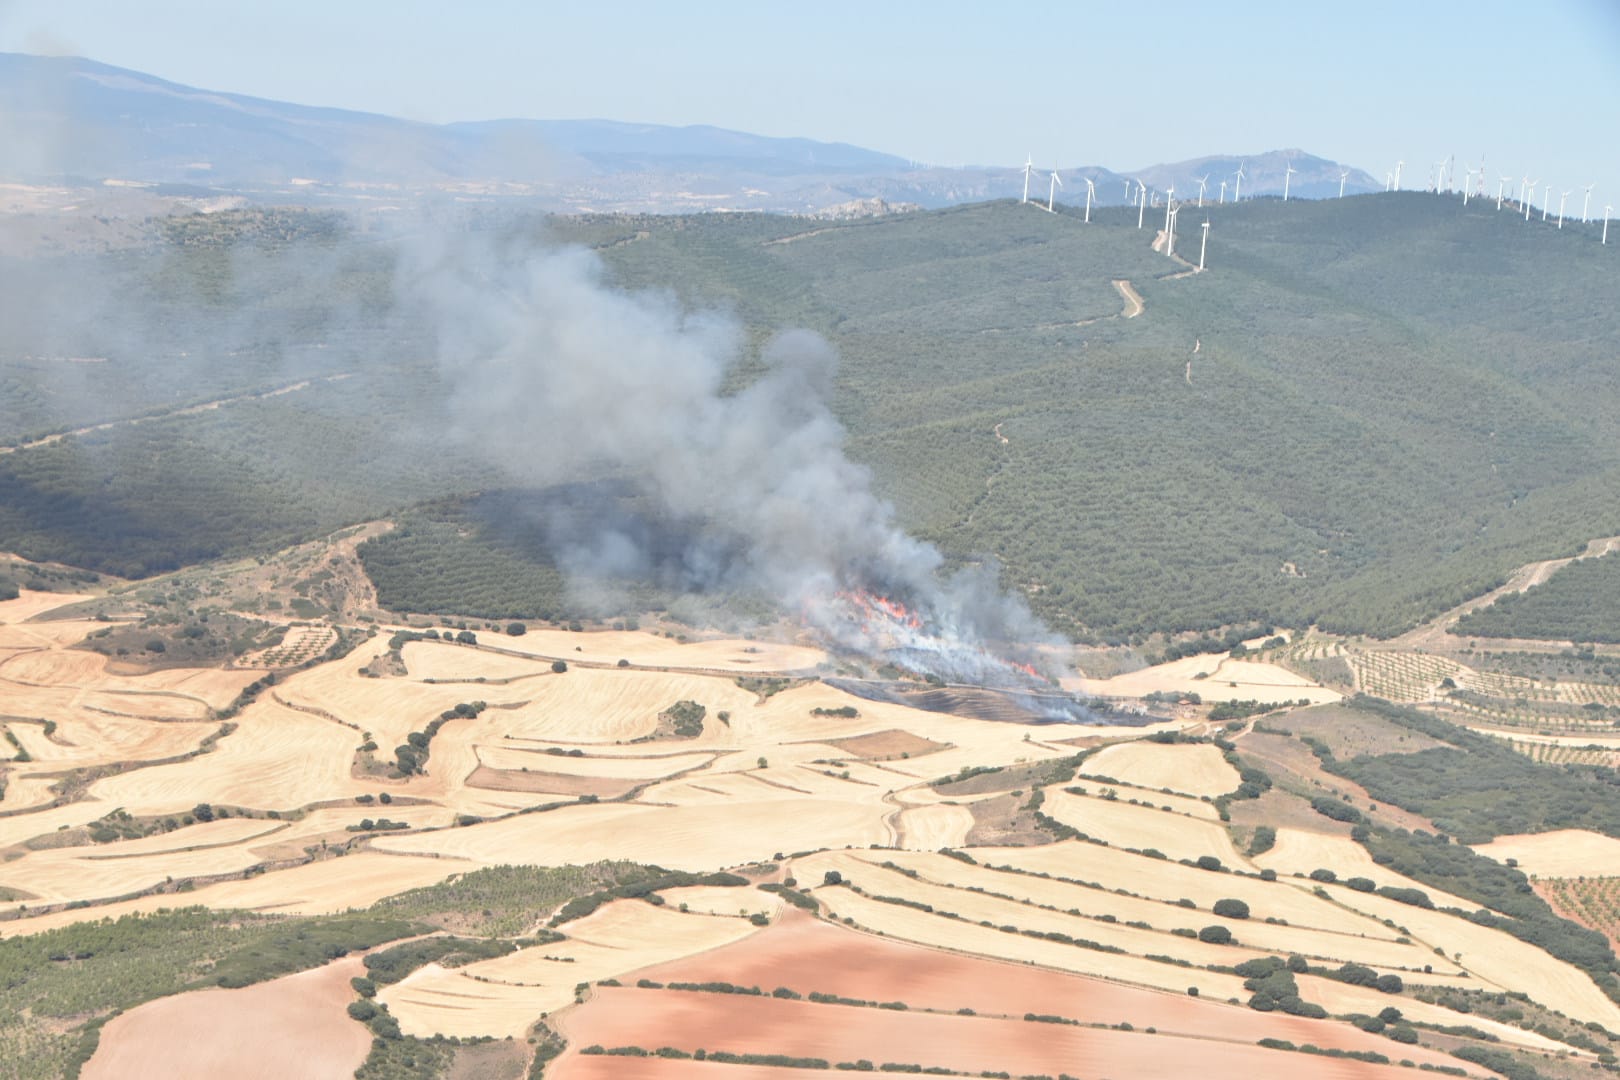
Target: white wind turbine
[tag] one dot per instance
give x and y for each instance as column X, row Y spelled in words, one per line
column 1546, row 201
column 1091, row 190
column 1439, row 177
column 1288, row 175
column 1170, row 234
column 1127, row 191
column 1201, row 182
column 1528, row 194
column 1344, row 174
column 1205, row 245
column 1237, row 193
column 1468, row 184
column 1141, row 203
column 1223, row 192
column 1387, row 176
column 1587, row 202
column 1501, row 182
column 1561, row 199
column 1169, row 206
column 1051, row 195
column 1398, row 165
column 1029, row 167
column 1606, row 211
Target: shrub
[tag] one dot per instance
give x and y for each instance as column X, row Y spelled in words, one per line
column 1215, row 935
column 559, row 666
column 1231, row 909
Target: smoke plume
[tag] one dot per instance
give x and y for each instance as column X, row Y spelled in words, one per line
column 562, row 376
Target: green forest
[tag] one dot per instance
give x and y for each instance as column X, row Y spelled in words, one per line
column 1581, row 602
column 1376, row 425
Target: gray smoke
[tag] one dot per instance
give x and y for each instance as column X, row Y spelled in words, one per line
column 562, row 377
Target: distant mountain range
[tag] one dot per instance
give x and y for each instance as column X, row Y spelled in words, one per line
column 65, row 120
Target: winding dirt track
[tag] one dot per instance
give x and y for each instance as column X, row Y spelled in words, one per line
column 1133, row 302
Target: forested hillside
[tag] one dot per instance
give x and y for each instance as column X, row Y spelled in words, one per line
column 1368, row 409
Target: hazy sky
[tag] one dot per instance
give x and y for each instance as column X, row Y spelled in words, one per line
column 1532, row 86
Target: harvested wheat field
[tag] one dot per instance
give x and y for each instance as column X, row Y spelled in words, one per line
column 1564, row 853
column 291, row 1026
column 1189, row 768
column 504, row 996
column 643, row 649
column 28, row 603
column 810, row 956
column 1120, row 824
column 1213, row 678
column 625, row 1016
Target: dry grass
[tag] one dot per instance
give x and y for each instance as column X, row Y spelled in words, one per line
column 1566, row 853
column 1191, row 768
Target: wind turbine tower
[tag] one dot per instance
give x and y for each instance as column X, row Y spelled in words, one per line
column 1169, row 207
column 1202, row 181
column 1205, row 245
column 1223, row 192
column 1344, row 174
column 1141, row 203
column 1091, row 189
column 1170, row 234
column 1587, row 202
column 1607, row 210
column 1029, row 167
column 1051, row 195
column 1288, row 175
column 1546, row 201
column 1237, row 194
column 1398, row 165
column 1529, row 193
column 1561, row 199
column 1501, row 182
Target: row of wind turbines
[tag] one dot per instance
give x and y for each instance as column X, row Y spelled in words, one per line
column 1471, row 188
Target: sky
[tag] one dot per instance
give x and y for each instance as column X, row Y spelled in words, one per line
column 1528, row 87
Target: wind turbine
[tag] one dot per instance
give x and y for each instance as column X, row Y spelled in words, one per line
column 1223, row 192
column 1169, row 207
column 1561, row 199
column 1091, row 189
column 1587, row 202
column 1344, row 175
column 1127, row 191
column 1287, row 176
column 1439, row 177
column 1029, row 167
column 1237, row 195
column 1201, row 182
column 1606, row 211
column 1468, row 184
column 1205, row 245
column 1547, row 201
column 1051, row 195
column 1141, row 203
column 1387, row 176
column 1170, row 242
column 1501, row 182
column 1398, row 165
column 1531, row 188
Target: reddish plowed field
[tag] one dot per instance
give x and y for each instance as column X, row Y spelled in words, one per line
column 807, row 955
column 624, row 1016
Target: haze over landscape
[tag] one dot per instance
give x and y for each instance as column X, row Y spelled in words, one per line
column 732, row 587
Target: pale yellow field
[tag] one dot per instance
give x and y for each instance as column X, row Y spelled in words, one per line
column 929, row 828
column 504, row 996
column 1306, row 938
column 679, row 837
column 724, row 900
column 1300, row 852
column 644, row 649
column 1564, row 853
column 1123, row 825
column 95, row 873
column 909, row 925
column 617, row 766
column 1224, row 679
column 1190, row 768
column 29, row 603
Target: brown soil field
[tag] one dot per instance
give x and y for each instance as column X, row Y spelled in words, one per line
column 292, row 1026
column 621, row 1016
column 892, row 743
column 1190, row 768
column 808, row 955
column 1351, row 732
